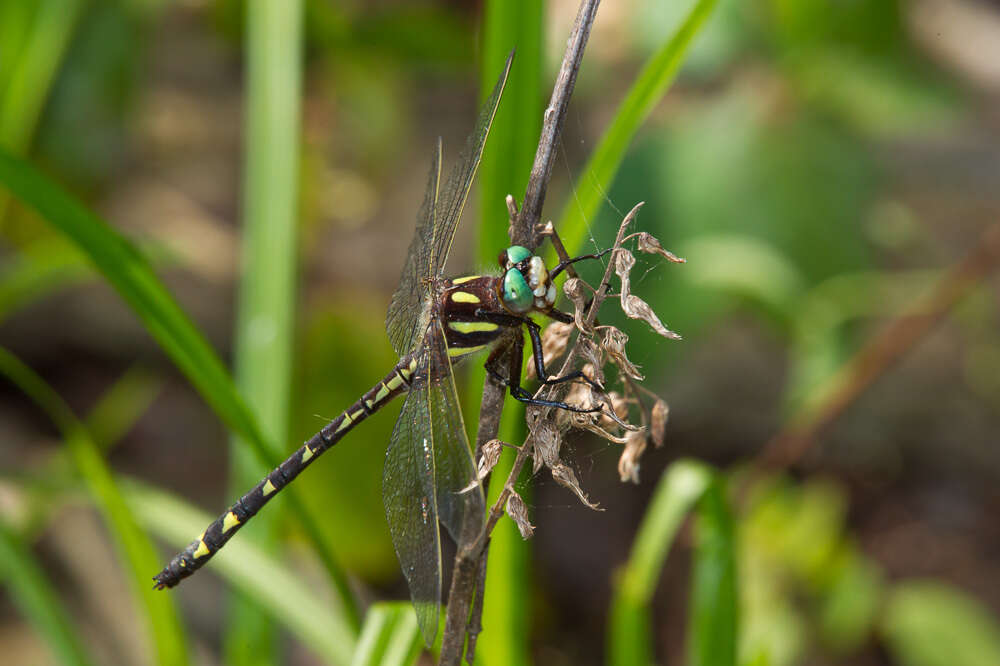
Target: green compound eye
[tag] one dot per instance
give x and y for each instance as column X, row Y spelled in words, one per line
column 516, row 254
column 517, row 295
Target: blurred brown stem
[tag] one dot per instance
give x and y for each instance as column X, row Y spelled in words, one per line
column 468, row 559
column 881, row 352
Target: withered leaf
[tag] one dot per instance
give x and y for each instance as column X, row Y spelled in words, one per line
column 649, row 244
column 564, row 476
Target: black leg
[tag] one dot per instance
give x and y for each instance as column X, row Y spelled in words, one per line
column 562, row 265
column 516, row 352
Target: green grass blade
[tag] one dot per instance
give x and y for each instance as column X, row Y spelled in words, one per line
column 129, row 272
column 285, row 598
column 34, row 595
column 508, row 24
column 680, row 487
column 646, row 92
column 712, row 631
column 30, row 74
column 126, row 269
column 390, row 636
column 266, row 307
column 137, row 553
column 37, row 270
column 122, row 405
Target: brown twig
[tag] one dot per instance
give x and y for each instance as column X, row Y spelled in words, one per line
column 881, row 352
column 523, row 231
column 468, row 558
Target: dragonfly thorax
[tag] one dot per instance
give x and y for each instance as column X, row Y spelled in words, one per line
column 525, row 285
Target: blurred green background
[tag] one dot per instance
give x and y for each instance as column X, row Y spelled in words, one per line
column 822, row 166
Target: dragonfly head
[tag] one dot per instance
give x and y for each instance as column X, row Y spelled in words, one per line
column 525, row 285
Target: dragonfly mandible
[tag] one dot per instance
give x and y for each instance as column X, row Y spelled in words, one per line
column 433, row 322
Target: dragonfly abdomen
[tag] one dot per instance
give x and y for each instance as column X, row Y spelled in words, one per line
column 215, row 536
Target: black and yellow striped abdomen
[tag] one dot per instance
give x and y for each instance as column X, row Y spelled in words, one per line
column 215, row 536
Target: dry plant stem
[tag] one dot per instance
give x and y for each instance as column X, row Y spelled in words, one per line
column 883, row 350
column 524, row 233
column 467, row 559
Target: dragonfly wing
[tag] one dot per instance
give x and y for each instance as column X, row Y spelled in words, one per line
column 410, row 502
column 455, row 191
column 430, row 476
column 407, row 317
column 460, row 503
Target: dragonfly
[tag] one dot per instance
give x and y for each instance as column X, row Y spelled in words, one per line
column 430, row 477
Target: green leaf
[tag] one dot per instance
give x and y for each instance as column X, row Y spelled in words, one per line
column 646, row 92
column 136, row 551
column 712, row 630
column 34, row 595
column 680, row 487
column 926, row 623
column 129, row 272
column 389, row 637
column 261, row 577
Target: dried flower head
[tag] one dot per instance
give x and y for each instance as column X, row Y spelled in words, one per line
column 575, row 292
column 490, row 457
column 646, row 242
column 658, row 422
column 518, row 512
column 628, row 463
column 613, row 342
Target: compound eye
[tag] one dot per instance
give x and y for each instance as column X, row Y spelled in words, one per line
column 517, row 294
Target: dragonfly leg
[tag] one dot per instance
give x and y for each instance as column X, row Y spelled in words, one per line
column 515, row 352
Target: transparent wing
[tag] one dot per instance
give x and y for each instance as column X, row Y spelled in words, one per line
column 436, row 224
column 460, row 502
column 411, row 503
column 429, row 476
column 456, row 189
column 407, row 316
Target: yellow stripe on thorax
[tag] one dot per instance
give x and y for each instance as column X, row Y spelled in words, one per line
column 463, row 280
column 472, row 326
column 464, row 297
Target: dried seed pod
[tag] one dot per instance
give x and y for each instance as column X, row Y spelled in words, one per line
column 613, row 342
column 564, row 476
column 658, row 422
column 573, row 288
column 547, row 441
column 490, row 457
column 518, row 512
column 555, row 339
column 628, row 463
column 649, row 244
